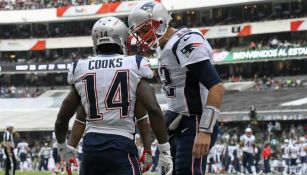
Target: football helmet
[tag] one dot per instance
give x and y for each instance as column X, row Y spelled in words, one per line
column 148, row 22
column 248, row 132
column 110, row 30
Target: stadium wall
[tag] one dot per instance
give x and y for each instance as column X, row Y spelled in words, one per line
column 69, row 13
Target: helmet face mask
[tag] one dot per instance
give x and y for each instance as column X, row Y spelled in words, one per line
column 148, row 22
column 145, row 34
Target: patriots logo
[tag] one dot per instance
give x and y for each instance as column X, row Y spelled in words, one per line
column 187, row 50
column 148, row 6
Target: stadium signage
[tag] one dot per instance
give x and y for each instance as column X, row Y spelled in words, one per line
column 259, row 55
column 272, row 53
column 45, row 68
column 34, row 68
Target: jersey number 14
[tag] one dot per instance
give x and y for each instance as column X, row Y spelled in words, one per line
column 119, row 87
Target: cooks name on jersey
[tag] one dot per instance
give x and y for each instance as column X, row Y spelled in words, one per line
column 108, row 63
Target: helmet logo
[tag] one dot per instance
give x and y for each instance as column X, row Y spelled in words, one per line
column 148, row 6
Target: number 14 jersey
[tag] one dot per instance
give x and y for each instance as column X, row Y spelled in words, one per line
column 107, row 87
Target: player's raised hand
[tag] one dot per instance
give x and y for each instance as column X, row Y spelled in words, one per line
column 201, row 144
column 165, row 162
column 146, row 160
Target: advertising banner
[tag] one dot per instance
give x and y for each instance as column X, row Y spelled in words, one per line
column 259, row 55
column 22, row 44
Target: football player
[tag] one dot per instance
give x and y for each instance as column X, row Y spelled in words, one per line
column 247, row 141
column 22, row 152
column 286, row 156
column 293, row 153
column 193, row 88
column 108, row 86
column 302, row 154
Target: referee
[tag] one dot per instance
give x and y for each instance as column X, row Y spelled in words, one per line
column 8, row 140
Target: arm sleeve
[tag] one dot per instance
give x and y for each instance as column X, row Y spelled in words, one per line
column 191, row 48
column 241, row 138
column 144, row 67
column 205, row 73
column 71, row 72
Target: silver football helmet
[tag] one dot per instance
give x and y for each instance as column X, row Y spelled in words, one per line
column 110, row 30
column 148, row 21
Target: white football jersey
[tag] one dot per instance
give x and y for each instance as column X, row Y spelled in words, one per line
column 22, row 147
column 248, row 143
column 231, row 150
column 54, row 142
column 219, row 149
column 286, row 151
column 107, row 86
column 212, row 154
column 184, row 94
column 294, row 150
column 302, row 151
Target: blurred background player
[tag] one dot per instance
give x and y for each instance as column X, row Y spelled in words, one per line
column 44, row 155
column 56, row 156
column 293, row 155
column 233, row 151
column 219, row 147
column 22, row 152
column 9, row 145
column 193, row 88
column 109, row 85
column 247, row 142
column 303, row 155
column 286, row 156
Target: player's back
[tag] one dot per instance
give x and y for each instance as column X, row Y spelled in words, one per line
column 286, row 151
column 107, row 87
column 231, row 150
column 22, row 147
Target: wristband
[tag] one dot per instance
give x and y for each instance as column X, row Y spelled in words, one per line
column 208, row 119
column 62, row 145
column 164, row 147
column 145, row 117
column 82, row 122
column 147, row 151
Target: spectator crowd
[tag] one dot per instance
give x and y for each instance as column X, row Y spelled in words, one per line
column 275, row 150
column 39, row 4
